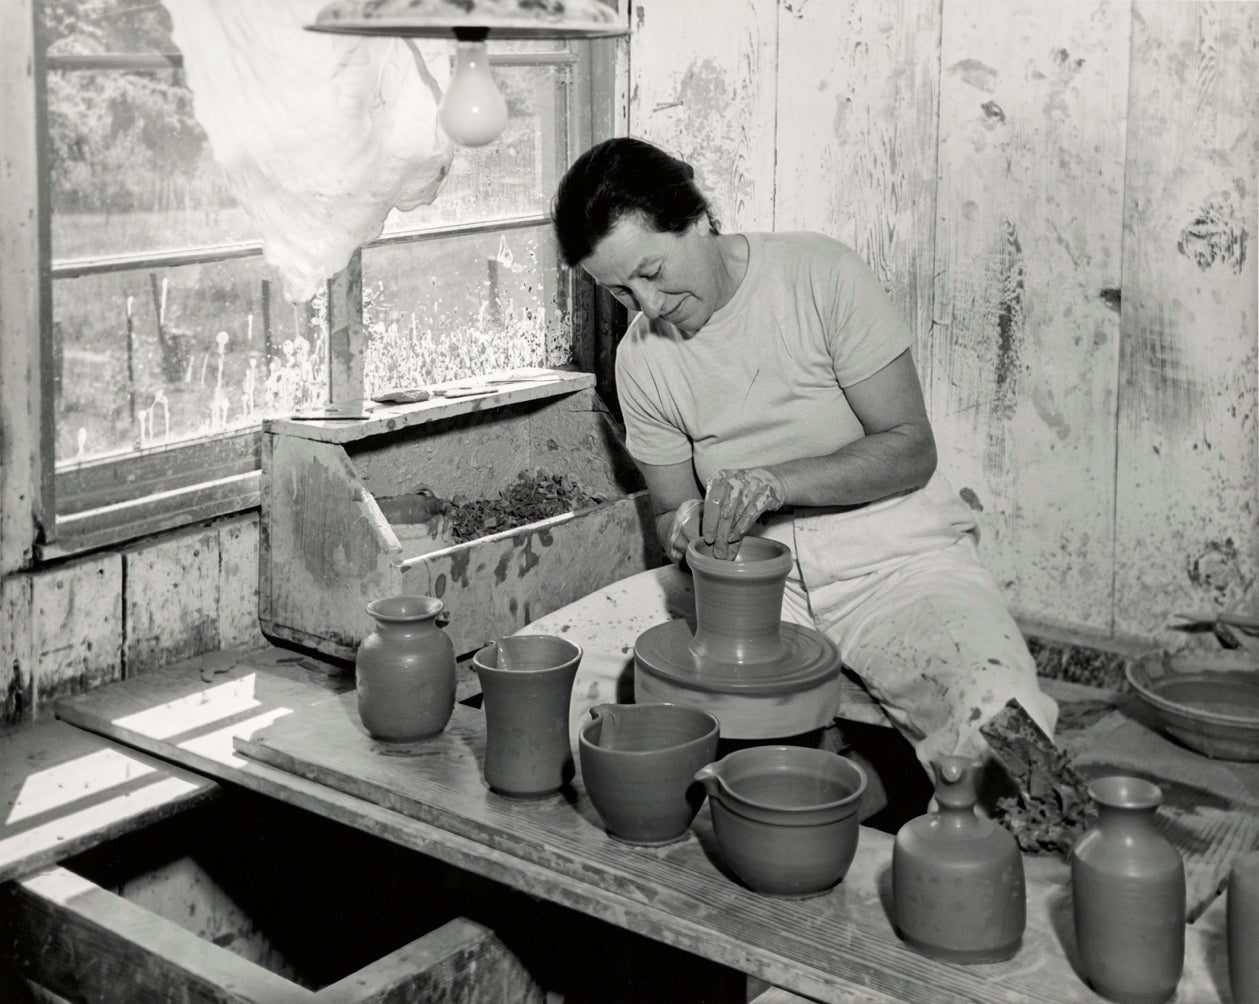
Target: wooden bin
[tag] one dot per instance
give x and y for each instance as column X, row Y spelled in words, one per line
column 345, row 517
column 211, row 906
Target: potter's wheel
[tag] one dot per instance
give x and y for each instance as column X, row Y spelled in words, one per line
column 793, row 693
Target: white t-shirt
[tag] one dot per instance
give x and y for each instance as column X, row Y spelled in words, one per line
column 762, row 382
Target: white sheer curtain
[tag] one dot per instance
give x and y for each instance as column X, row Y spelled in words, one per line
column 319, row 135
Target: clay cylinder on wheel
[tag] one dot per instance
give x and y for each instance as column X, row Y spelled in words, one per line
column 404, row 670
column 738, row 602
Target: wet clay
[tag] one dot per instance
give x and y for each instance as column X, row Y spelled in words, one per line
column 763, row 679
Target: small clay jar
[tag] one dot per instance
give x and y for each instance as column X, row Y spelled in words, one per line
column 1243, row 929
column 404, row 670
column 958, row 888
column 1128, row 895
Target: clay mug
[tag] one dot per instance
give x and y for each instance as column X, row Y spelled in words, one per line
column 785, row 816
column 526, row 686
column 404, row 670
column 638, row 764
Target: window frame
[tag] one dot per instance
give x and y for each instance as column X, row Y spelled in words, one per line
column 97, row 504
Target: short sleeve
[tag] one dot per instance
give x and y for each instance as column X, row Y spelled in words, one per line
column 864, row 329
column 653, row 432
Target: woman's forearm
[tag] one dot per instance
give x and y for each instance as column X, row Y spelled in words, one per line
column 871, row 468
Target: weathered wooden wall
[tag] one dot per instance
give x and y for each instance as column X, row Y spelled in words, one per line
column 1061, row 197
column 88, row 622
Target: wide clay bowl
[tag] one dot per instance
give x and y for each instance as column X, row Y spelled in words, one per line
column 785, row 816
column 638, row 763
column 1212, row 710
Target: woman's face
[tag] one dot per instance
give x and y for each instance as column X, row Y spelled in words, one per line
column 675, row 277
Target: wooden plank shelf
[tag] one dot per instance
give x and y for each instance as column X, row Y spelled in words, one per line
column 63, row 790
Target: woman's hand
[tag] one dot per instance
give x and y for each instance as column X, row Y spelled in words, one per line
column 733, row 501
column 683, row 528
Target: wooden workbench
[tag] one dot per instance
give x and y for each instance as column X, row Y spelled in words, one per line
column 839, row 947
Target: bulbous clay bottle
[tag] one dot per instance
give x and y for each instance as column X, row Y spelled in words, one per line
column 1128, row 894
column 957, row 879
column 405, row 670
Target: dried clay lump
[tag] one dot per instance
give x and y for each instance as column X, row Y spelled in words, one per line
column 319, row 135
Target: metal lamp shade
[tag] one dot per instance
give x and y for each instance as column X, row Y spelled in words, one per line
column 528, row 19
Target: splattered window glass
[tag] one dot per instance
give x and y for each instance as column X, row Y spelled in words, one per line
column 170, row 331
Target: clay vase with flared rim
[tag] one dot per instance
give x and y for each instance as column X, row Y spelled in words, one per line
column 404, row 670
column 526, row 685
column 958, row 888
column 738, row 602
column 1243, row 928
column 785, row 817
column 1128, row 895
column 638, row 764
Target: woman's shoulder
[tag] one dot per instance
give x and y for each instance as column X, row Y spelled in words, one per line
column 804, row 249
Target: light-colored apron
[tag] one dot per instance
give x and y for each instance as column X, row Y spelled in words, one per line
column 898, row 586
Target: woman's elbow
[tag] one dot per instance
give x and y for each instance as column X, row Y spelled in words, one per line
column 925, row 456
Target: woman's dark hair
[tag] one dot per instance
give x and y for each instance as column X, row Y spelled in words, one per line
column 622, row 177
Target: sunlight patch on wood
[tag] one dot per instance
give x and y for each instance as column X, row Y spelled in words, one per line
column 195, row 710
column 58, row 786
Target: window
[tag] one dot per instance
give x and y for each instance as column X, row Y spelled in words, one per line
column 170, row 336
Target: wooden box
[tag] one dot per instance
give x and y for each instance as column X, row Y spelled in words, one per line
column 244, row 901
column 347, row 514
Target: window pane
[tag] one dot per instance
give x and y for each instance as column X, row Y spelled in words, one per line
column 463, row 306
column 130, row 169
column 516, row 174
column 147, row 357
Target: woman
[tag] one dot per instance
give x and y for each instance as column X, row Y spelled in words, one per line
column 767, row 387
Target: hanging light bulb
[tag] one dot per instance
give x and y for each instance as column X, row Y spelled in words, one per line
column 473, row 111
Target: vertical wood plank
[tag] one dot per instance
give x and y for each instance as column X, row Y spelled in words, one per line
column 76, row 629
column 702, row 85
column 1032, row 111
column 21, row 386
column 16, row 662
column 238, row 584
column 172, row 600
column 1188, row 533
column 856, row 138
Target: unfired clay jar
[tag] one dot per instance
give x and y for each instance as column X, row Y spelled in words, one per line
column 526, row 685
column 638, row 764
column 785, row 816
column 738, row 603
column 404, row 670
column 957, row 880
column 1243, row 929
column 1128, row 893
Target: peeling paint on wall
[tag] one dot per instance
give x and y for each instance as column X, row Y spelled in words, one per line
column 1217, row 568
column 993, row 115
column 975, row 73
column 1009, row 309
column 1216, row 236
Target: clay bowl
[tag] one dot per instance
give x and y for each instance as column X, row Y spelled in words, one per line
column 785, row 816
column 638, row 764
column 1212, row 710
